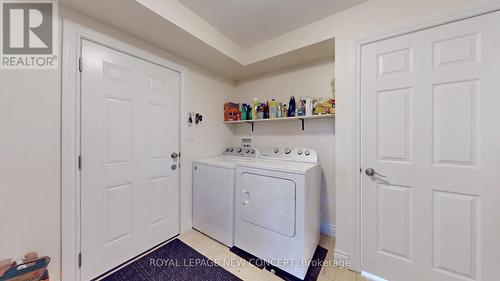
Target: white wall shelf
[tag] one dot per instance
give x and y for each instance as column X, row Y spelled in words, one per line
column 301, row 118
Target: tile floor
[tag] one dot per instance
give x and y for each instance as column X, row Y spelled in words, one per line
column 234, row 264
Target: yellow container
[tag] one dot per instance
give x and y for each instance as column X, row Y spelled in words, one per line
column 273, row 109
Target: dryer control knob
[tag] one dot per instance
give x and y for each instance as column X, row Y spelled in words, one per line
column 299, row 152
column 276, row 150
column 287, row 151
column 239, row 150
column 307, row 152
column 252, row 152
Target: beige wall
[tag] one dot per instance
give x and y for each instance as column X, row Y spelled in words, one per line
column 29, row 163
column 314, row 80
column 30, row 189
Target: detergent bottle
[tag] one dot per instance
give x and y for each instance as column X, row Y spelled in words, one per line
column 291, row 107
column 254, row 108
column 273, row 109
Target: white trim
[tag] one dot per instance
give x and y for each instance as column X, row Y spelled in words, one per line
column 354, row 175
column 327, row 229
column 70, row 178
column 339, row 255
column 73, row 33
column 372, row 277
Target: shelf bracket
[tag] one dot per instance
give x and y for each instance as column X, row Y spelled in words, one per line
column 252, row 126
column 302, row 121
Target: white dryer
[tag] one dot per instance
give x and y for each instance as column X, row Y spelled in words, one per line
column 277, row 216
column 213, row 192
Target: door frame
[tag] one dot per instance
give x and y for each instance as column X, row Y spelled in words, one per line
column 355, row 166
column 73, row 34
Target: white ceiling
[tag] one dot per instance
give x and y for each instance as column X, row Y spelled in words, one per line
column 173, row 27
column 251, row 22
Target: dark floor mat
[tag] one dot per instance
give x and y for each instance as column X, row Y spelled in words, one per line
column 312, row 272
column 173, row 261
column 249, row 257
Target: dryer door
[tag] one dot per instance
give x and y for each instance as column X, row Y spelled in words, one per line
column 268, row 202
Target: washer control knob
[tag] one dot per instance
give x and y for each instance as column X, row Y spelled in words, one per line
column 232, row 149
column 287, row 151
column 276, row 150
column 247, row 151
column 227, row 149
column 252, row 151
column 239, row 150
column 299, row 152
column 307, row 152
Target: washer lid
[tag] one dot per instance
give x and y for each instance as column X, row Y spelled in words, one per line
column 281, row 166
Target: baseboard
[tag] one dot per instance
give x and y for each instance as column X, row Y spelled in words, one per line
column 372, row 277
column 340, row 255
column 327, row 229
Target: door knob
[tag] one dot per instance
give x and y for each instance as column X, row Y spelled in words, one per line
column 371, row 172
column 174, row 155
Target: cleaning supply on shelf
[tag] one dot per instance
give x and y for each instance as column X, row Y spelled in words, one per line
column 231, row 111
column 273, row 109
column 284, row 112
column 243, row 111
column 324, row 106
column 279, row 112
column 260, row 111
column 266, row 110
column 255, row 105
column 301, row 107
column 309, row 106
column 291, row 107
column 249, row 112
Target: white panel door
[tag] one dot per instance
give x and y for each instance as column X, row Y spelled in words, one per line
column 129, row 181
column 431, row 130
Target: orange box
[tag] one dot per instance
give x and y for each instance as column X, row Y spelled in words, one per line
column 232, row 111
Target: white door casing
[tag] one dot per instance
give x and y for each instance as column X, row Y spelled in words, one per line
column 429, row 126
column 129, row 128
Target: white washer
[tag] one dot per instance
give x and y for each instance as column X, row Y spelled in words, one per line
column 213, row 192
column 277, row 216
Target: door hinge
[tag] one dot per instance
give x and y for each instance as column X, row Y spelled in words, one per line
column 79, row 162
column 79, row 259
column 80, row 64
